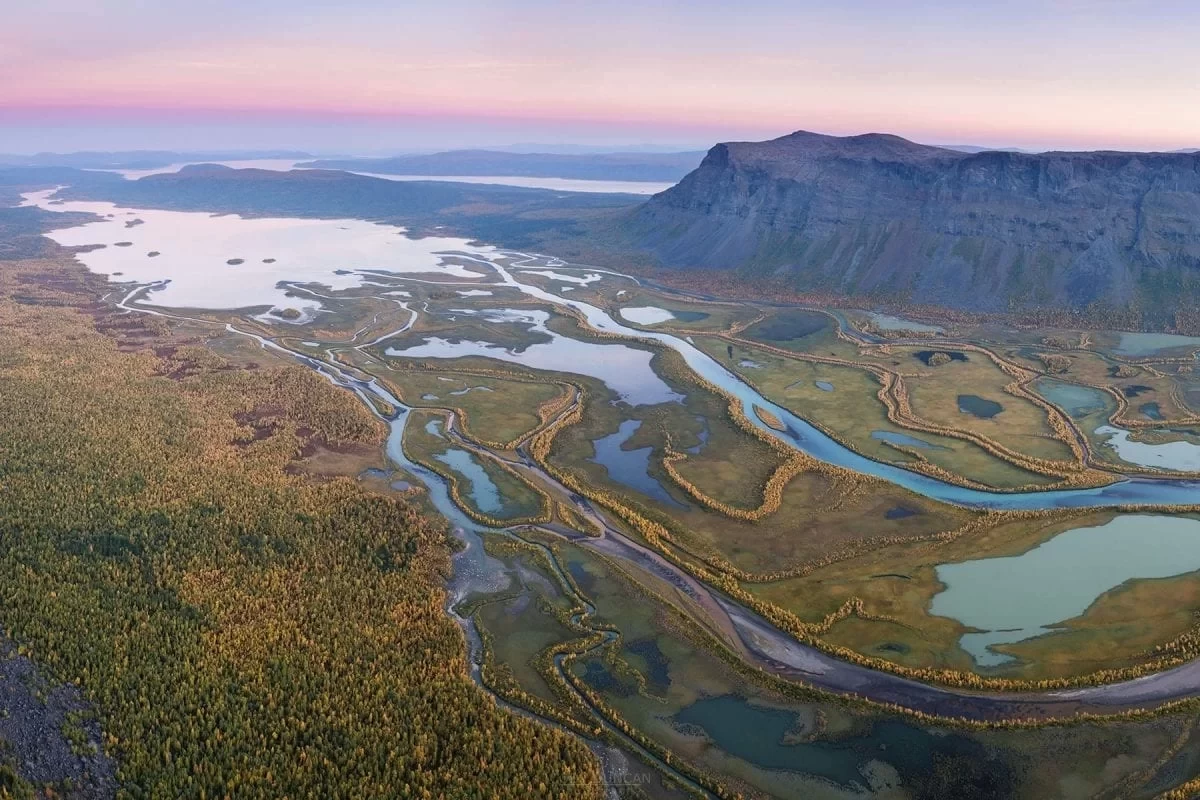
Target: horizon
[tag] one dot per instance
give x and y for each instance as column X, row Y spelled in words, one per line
column 370, row 79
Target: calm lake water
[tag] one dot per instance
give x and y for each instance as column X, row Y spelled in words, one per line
column 558, row 184
column 887, row 322
column 1078, row 401
column 1180, row 456
column 630, row 467
column 646, row 315
column 196, row 249
column 1016, row 597
column 1147, row 344
column 484, row 494
column 625, row 370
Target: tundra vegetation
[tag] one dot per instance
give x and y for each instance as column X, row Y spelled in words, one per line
column 250, row 596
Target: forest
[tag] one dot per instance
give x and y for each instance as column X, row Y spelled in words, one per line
column 236, row 629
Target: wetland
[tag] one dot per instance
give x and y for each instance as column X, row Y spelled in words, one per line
column 746, row 545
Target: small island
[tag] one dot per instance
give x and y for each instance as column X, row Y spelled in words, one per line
column 286, row 313
column 153, row 254
column 123, row 244
column 268, row 261
column 233, row 262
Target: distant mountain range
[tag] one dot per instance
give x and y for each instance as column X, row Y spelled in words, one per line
column 586, row 166
column 142, row 159
column 880, row 215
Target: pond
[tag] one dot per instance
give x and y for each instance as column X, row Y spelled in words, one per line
column 1077, row 401
column 887, row 322
column 630, row 467
column 1147, row 344
column 652, row 315
column 1151, row 411
column 646, row 315
column 768, row 738
column 926, row 356
column 1013, row 598
column 788, row 326
column 1179, row 456
column 904, row 440
column 482, row 491
column 824, row 386
column 978, row 406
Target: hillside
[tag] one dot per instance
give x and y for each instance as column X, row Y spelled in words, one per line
column 586, row 166
column 880, row 215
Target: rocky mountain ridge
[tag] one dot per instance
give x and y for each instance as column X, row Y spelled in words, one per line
column 991, row 231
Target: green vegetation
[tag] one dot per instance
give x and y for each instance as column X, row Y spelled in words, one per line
column 237, row 629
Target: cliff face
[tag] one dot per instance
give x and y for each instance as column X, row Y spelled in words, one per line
column 877, row 214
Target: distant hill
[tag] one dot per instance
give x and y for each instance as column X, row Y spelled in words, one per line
column 880, row 215
column 586, row 166
column 142, row 159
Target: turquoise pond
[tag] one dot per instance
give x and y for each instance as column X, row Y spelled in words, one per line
column 1013, row 598
column 1078, row 401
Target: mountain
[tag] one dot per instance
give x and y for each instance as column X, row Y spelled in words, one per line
column 597, row 166
column 990, row 231
column 141, row 159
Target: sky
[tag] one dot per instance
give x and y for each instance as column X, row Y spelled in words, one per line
column 378, row 76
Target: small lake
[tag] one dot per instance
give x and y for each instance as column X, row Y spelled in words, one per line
column 584, row 280
column 482, row 491
column 904, row 440
column 646, row 315
column 630, row 467
column 653, row 315
column 625, row 370
column 1147, row 344
column 824, row 386
column 887, row 322
column 926, row 356
column 978, row 406
column 788, row 326
column 1078, row 401
column 760, row 735
column 1177, row 456
column 1017, row 597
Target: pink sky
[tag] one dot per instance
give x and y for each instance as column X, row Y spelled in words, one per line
column 1056, row 73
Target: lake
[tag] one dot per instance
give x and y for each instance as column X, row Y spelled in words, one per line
column 196, row 248
column 557, row 184
column 1180, row 456
column 630, row 467
column 1012, row 598
column 1147, row 344
column 1077, row 401
column 625, row 370
column 480, row 488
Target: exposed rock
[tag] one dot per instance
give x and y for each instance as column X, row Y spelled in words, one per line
column 982, row 231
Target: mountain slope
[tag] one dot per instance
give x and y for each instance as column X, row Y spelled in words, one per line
column 877, row 214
